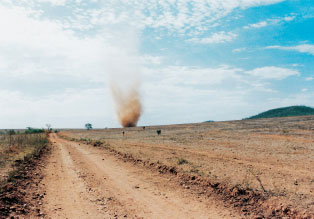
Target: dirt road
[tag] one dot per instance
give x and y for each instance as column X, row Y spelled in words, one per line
column 82, row 181
column 271, row 157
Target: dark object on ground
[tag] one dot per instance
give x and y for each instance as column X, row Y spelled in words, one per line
column 97, row 143
column 285, row 112
column 144, row 127
column 123, row 133
column 158, row 132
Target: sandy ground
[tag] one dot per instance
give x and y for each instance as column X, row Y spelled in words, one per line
column 82, row 181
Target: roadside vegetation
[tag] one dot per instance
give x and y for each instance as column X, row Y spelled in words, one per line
column 19, row 156
column 31, row 130
column 16, row 147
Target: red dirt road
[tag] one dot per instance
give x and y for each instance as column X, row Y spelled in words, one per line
column 81, row 181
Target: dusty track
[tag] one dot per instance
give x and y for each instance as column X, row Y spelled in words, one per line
column 86, row 182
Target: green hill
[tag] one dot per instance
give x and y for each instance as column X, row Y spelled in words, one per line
column 285, row 112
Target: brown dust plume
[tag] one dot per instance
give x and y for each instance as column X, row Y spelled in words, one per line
column 128, row 105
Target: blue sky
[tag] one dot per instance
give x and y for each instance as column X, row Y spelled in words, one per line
column 194, row 60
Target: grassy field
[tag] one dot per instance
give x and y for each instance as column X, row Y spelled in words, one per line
column 17, row 147
column 270, row 156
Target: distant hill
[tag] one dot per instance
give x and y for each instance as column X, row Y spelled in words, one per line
column 285, row 112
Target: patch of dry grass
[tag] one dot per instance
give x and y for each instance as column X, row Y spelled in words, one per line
column 21, row 146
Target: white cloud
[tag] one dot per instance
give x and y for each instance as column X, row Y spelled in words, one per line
column 173, row 93
column 199, row 76
column 301, row 98
column 180, row 16
column 148, row 59
column 220, row 37
column 72, row 107
column 223, row 78
column 289, row 18
column 38, row 48
column 55, row 2
column 271, row 72
column 304, row 48
column 268, row 22
column 190, row 104
column 184, row 14
column 259, row 25
column 309, row 78
column 239, row 50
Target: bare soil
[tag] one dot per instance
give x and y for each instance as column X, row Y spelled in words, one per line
column 271, row 160
column 82, row 181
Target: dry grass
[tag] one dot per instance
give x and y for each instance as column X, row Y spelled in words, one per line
column 21, row 146
column 269, row 155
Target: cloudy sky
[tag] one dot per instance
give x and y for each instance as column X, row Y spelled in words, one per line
column 197, row 60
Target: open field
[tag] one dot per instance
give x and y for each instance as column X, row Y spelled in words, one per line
column 237, row 169
column 272, row 157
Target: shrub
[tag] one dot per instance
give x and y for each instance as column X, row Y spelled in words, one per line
column 182, row 161
column 33, row 130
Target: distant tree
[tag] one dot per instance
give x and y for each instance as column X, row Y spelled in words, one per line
column 31, row 130
column 88, row 126
column 49, row 127
column 11, row 132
